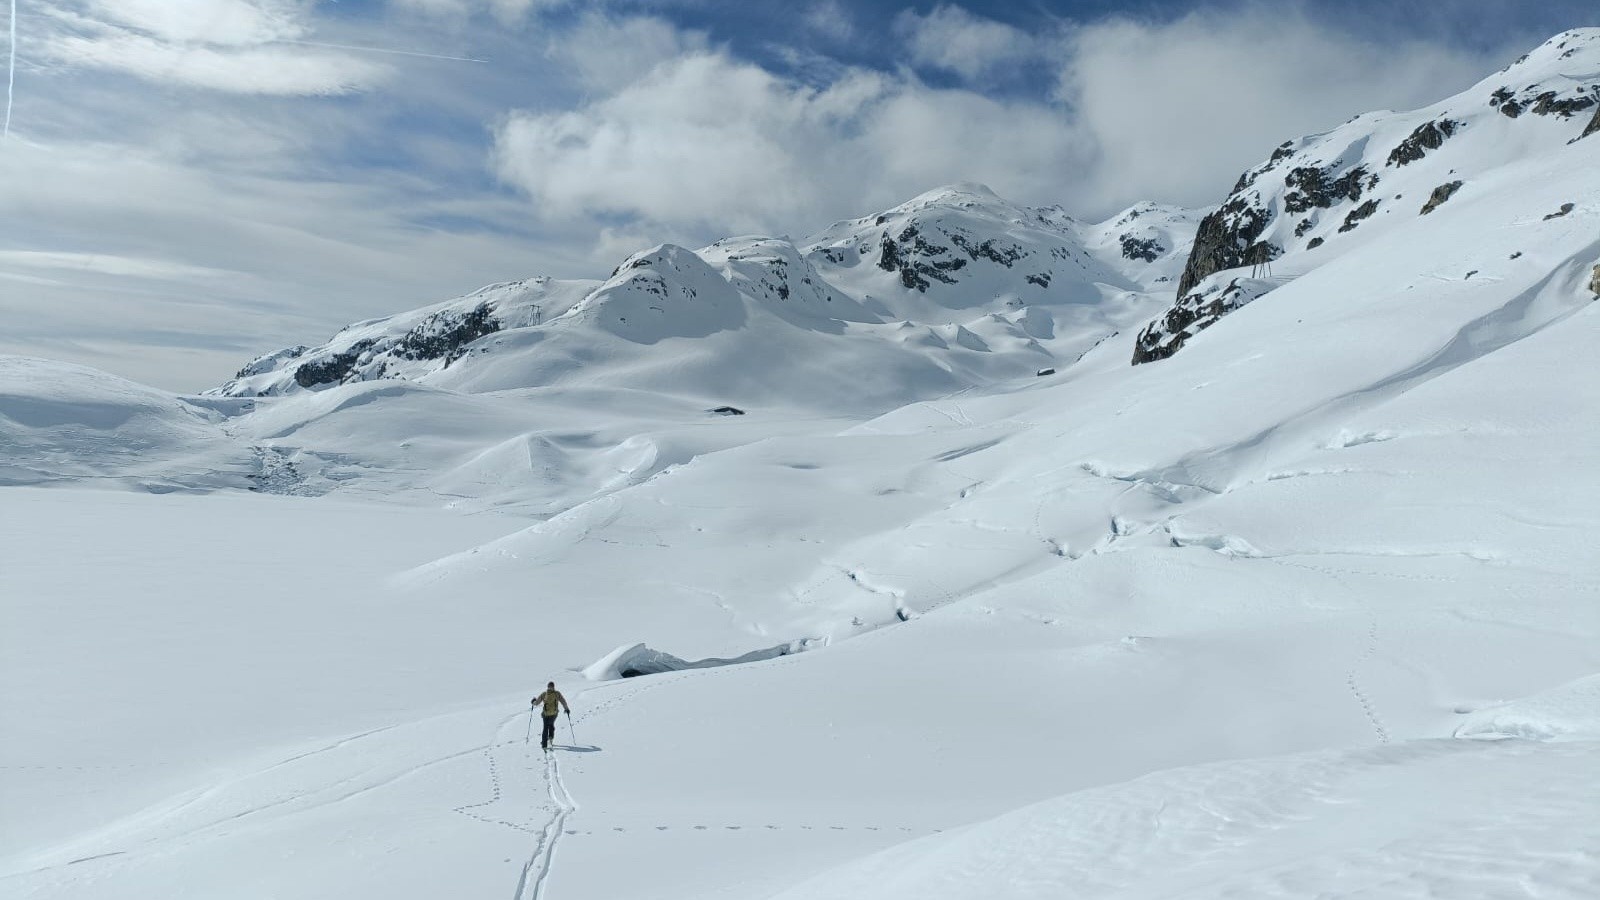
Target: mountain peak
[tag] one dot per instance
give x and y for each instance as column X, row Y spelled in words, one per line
column 960, row 194
column 1579, row 43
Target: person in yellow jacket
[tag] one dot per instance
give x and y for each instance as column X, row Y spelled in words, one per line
column 553, row 702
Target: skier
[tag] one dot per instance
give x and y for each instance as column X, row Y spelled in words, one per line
column 551, row 699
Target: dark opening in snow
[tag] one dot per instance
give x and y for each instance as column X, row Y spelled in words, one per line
column 634, row 660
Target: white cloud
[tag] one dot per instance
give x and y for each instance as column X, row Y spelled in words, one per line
column 1177, row 110
column 707, row 142
column 955, row 40
column 509, row 12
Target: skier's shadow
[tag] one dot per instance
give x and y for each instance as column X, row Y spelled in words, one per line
column 576, row 748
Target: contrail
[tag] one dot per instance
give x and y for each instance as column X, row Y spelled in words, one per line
column 376, row 50
column 11, row 71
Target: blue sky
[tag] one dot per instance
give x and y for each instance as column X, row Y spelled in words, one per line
column 188, row 183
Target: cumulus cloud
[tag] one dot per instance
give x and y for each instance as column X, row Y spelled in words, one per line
column 236, row 46
column 708, row 141
column 952, row 39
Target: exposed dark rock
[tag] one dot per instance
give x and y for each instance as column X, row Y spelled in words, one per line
column 1193, row 314
column 1594, row 125
column 1226, row 239
column 1544, row 103
column 1356, row 215
column 1043, row 372
column 1147, row 249
column 1440, row 194
column 1428, row 136
column 918, row 260
column 1311, row 187
column 1304, row 226
column 1551, row 104
column 1041, row 279
column 888, row 254
column 332, row 369
column 446, row 335
column 989, row 249
column 1565, row 208
column 1502, row 100
column 1594, row 282
column 1314, row 243
column 728, row 411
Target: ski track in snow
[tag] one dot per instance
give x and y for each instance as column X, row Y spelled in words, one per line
column 542, row 861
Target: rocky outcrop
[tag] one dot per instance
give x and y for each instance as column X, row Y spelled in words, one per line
column 922, row 260
column 1194, row 314
column 1317, row 188
column 1594, row 125
column 1428, row 136
column 1594, row 282
column 1144, row 249
column 1540, row 103
column 1227, row 240
column 1440, row 194
column 916, row 259
column 333, row 368
column 1355, row 216
column 446, row 335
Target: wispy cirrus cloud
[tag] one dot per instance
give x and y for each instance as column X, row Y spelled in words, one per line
column 235, row 46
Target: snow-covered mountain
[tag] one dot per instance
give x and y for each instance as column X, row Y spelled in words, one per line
column 1306, row 609
column 1319, row 197
column 953, row 289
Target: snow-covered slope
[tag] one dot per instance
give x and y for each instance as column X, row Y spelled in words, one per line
column 1308, row 609
column 66, row 423
column 1322, row 196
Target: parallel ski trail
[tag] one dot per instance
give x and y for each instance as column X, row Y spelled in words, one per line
column 536, row 873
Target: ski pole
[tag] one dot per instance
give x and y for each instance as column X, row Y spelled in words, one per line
column 529, row 735
column 569, row 727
